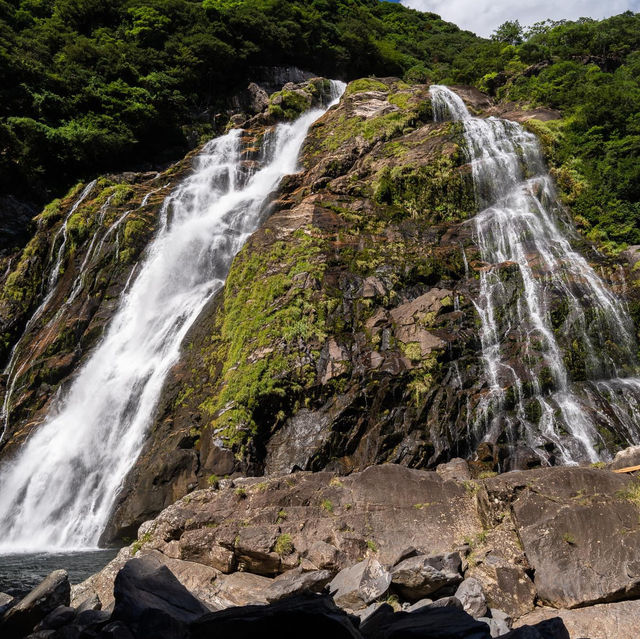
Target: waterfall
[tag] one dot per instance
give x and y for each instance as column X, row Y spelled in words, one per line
column 59, row 491
column 558, row 347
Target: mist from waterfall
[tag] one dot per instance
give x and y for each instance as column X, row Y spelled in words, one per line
column 59, row 491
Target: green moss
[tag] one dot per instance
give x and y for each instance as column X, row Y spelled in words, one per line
column 289, row 105
column 438, row 190
column 327, row 506
column 259, row 335
column 139, row 543
column 365, row 84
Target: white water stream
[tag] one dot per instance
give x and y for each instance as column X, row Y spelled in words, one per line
column 59, row 491
column 529, row 270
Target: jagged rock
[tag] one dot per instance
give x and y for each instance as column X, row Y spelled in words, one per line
column 438, row 623
column 506, row 586
column 455, row 470
column 149, row 598
column 602, row 621
column 472, row 597
column 254, row 549
column 357, row 586
column 311, row 616
column 296, row 581
column 417, row 577
column 52, row 592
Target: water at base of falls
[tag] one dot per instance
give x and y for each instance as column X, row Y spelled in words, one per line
column 558, row 347
column 59, row 491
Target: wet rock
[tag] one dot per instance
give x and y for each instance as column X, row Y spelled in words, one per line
column 472, row 597
column 442, row 623
column 417, row 577
column 356, row 587
column 311, row 616
column 296, row 581
column 143, row 592
column 20, row 619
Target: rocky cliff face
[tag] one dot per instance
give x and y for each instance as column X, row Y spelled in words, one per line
column 345, row 335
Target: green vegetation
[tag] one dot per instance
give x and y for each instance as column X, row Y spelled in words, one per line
column 90, row 86
column 590, row 71
column 283, row 545
column 327, row 506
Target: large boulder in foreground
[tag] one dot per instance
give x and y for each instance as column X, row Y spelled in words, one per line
column 603, row 621
column 579, row 530
column 148, row 597
column 20, row 619
column 306, row 616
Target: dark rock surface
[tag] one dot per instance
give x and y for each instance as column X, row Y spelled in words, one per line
column 21, row 618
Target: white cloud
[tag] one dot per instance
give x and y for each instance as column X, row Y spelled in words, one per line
column 484, row 16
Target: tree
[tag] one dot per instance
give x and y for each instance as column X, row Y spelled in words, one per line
column 510, row 32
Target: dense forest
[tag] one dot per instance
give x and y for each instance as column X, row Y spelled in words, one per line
column 89, row 86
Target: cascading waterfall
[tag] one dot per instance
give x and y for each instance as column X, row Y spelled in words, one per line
column 558, row 347
column 59, row 491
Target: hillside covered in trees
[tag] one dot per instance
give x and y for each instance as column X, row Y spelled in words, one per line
column 88, row 86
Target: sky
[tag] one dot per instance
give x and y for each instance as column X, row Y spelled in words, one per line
column 484, row 16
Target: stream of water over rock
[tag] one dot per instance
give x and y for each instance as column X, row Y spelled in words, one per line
column 559, row 350
column 59, row 491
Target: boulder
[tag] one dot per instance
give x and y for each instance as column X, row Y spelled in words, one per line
column 52, row 592
column 417, row 577
column 472, row 598
column 296, row 581
column 356, row 587
column 310, row 616
column 144, row 591
column 506, row 585
column 602, row 621
column 325, row 556
column 434, row 623
column 455, row 470
column 626, row 458
column 447, row 602
column 579, row 531
column 241, row 589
